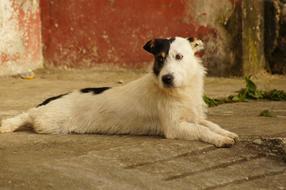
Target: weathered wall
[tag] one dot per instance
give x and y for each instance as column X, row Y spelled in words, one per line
column 275, row 35
column 253, row 37
column 86, row 33
column 219, row 26
column 20, row 36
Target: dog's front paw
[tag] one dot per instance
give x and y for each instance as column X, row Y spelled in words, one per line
column 225, row 142
column 232, row 135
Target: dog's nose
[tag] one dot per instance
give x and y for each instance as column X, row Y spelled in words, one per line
column 168, row 79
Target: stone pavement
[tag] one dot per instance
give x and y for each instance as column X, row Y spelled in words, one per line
column 33, row 161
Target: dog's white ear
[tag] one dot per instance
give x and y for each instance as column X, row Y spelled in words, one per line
column 150, row 46
column 197, row 44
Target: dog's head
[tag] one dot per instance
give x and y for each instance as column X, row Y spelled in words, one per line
column 175, row 61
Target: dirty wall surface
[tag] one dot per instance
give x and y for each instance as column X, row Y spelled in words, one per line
column 20, row 36
column 85, row 33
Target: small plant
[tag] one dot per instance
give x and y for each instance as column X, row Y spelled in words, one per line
column 250, row 92
column 275, row 95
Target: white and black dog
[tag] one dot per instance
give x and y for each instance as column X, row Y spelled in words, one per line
column 167, row 101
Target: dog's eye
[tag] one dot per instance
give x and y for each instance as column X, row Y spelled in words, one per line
column 179, row 57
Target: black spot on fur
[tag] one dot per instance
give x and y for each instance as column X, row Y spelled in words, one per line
column 85, row 90
column 94, row 90
column 158, row 64
column 160, row 49
column 51, row 99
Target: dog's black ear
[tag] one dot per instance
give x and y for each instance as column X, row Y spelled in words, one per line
column 150, row 46
column 191, row 39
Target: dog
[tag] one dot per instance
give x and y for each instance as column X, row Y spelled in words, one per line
column 166, row 102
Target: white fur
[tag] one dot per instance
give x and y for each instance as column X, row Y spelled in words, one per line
column 142, row 107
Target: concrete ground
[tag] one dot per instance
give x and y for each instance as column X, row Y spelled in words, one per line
column 33, row 161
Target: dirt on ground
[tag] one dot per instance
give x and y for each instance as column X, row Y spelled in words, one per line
column 33, row 161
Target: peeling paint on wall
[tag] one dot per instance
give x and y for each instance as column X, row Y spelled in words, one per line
column 20, row 36
column 86, row 33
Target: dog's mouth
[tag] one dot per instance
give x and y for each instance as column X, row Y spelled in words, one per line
column 168, row 85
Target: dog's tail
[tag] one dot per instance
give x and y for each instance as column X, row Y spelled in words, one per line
column 12, row 124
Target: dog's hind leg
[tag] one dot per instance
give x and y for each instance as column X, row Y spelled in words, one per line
column 12, row 124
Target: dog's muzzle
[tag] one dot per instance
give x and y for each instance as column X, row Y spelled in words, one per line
column 168, row 80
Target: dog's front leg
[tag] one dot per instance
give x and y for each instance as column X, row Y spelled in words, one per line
column 217, row 129
column 191, row 131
